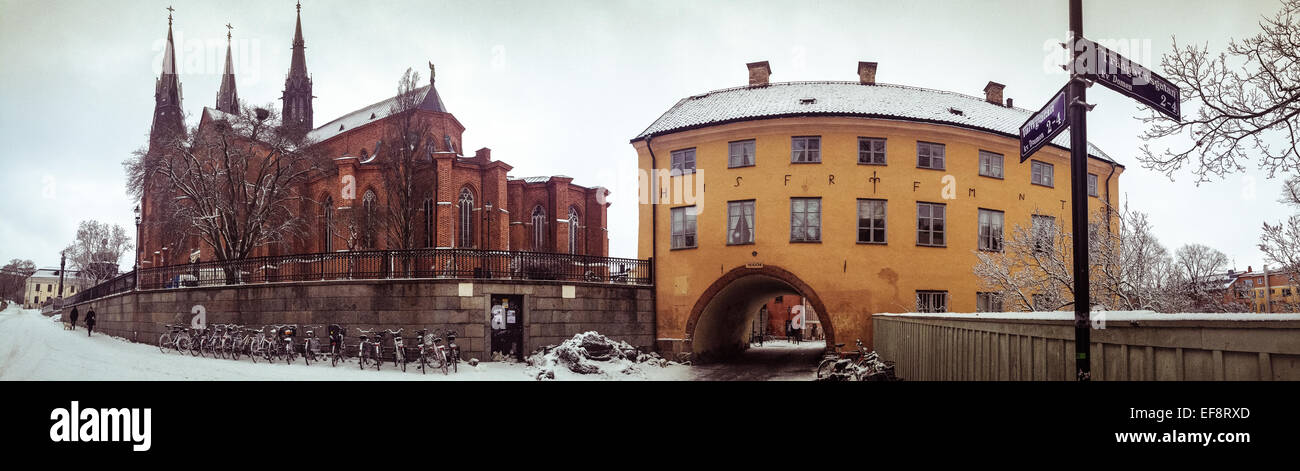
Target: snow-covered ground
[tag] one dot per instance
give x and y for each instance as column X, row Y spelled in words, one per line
column 35, row 347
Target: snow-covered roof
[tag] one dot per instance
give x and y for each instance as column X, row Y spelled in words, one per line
column 884, row 101
column 1121, row 316
column 52, row 273
column 431, row 101
column 541, row 179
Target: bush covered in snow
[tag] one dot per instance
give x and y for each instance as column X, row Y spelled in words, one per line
column 590, row 353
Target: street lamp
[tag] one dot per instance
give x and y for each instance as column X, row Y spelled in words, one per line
column 138, row 250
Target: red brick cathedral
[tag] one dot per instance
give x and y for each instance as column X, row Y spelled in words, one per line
column 472, row 202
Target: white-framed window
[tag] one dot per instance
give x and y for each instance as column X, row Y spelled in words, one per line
column 683, row 162
column 931, row 301
column 871, row 221
column 990, row 164
column 871, row 150
column 683, row 227
column 465, row 236
column 1040, row 173
column 805, row 219
column 931, row 219
column 539, row 228
column 990, row 230
column 740, row 222
column 1092, row 184
column 929, row 155
column 805, row 149
column 740, row 154
column 988, row 302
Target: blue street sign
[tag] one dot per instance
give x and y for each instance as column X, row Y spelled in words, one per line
column 1129, row 78
column 1044, row 125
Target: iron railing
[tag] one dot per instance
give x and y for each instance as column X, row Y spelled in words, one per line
column 119, row 284
column 402, row 264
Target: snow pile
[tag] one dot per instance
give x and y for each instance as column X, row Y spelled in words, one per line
column 591, row 353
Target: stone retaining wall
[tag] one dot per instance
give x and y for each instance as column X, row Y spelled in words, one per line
column 621, row 312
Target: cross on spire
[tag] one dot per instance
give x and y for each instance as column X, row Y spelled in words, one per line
column 169, row 14
column 299, row 6
column 229, row 29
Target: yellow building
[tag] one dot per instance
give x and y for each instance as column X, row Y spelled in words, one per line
column 43, row 286
column 863, row 197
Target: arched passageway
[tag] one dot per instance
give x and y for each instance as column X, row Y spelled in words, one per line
column 720, row 323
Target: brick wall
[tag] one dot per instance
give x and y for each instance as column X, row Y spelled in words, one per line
column 621, row 312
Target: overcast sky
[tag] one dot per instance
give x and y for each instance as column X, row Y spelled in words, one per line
column 561, row 87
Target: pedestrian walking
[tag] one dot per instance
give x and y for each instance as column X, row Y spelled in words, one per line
column 90, row 321
column 74, row 318
column 789, row 332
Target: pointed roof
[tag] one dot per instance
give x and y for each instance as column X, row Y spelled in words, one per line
column 227, row 96
column 430, row 101
column 167, row 115
column 298, row 65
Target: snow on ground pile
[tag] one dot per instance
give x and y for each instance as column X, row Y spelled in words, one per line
column 592, row 354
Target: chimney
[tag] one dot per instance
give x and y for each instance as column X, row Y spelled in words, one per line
column 758, row 73
column 1009, row 105
column 993, row 93
column 484, row 154
column 867, row 73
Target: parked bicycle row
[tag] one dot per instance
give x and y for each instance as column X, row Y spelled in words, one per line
column 435, row 349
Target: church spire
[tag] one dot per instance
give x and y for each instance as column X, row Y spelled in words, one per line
column 168, row 120
column 297, row 111
column 227, row 97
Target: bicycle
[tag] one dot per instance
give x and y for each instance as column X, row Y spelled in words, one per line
column 399, row 356
column 365, row 353
column 175, row 338
column 310, row 346
column 453, row 351
column 286, row 347
column 854, row 365
column 337, row 351
column 421, row 338
column 259, row 345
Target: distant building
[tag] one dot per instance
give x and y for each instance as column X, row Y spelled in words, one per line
column 1276, row 293
column 43, row 286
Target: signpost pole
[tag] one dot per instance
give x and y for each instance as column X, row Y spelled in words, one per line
column 1079, row 196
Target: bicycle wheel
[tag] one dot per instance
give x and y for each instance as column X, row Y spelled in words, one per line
column 361, row 356
column 164, row 342
column 379, row 357
column 184, row 344
column 234, row 350
column 400, row 359
column 825, row 368
column 442, row 362
column 253, row 351
column 424, row 363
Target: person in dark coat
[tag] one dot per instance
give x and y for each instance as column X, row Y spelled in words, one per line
column 90, row 321
column 74, row 318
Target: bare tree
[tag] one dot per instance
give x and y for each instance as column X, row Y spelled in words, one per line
column 13, row 279
column 1202, row 278
column 1247, row 103
column 1280, row 242
column 1130, row 269
column 405, row 162
column 235, row 185
column 97, row 250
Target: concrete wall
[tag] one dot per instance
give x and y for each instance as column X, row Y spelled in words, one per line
column 621, row 312
column 962, row 347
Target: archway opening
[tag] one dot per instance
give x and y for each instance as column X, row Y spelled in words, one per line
column 739, row 320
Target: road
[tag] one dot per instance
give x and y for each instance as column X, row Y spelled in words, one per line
column 775, row 361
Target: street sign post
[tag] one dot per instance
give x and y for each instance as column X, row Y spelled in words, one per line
column 1129, row 78
column 1043, row 126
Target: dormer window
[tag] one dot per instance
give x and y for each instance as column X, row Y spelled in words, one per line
column 807, row 101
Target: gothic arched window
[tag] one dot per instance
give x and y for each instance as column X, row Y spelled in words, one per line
column 327, row 225
column 369, row 219
column 573, row 230
column 466, row 221
column 428, row 221
column 539, row 228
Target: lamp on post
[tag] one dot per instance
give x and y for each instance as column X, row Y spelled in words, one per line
column 487, row 225
column 135, row 268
